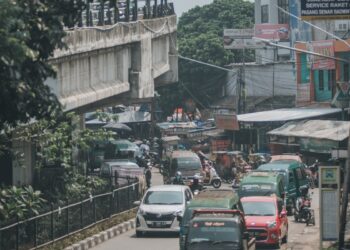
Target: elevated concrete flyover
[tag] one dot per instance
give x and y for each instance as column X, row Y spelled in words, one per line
column 108, row 62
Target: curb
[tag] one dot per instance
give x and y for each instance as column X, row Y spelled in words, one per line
column 101, row 237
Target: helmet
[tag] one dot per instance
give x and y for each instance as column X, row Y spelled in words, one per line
column 178, row 173
column 196, row 177
column 144, row 141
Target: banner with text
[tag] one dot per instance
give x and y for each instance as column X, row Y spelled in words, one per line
column 325, row 47
column 325, row 9
column 241, row 39
column 276, row 32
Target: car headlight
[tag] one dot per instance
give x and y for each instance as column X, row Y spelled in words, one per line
column 271, row 224
column 178, row 213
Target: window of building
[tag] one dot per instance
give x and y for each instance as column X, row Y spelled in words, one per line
column 346, row 72
column 320, row 80
column 264, row 14
column 283, row 18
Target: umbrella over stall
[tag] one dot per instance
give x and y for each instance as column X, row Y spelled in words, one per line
column 115, row 126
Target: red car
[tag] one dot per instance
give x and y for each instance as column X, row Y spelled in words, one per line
column 266, row 219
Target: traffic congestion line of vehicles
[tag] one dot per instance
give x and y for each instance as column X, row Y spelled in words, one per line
column 254, row 214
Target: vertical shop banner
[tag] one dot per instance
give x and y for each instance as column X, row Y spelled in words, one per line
column 326, row 48
column 276, row 32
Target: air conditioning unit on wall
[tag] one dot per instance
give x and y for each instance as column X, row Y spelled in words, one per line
column 342, row 25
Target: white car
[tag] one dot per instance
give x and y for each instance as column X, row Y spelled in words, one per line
column 160, row 207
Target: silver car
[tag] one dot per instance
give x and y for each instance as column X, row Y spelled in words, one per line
column 160, row 207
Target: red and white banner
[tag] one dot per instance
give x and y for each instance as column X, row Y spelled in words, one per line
column 276, row 32
column 324, row 47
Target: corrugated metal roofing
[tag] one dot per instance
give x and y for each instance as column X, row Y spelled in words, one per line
column 283, row 115
column 319, row 129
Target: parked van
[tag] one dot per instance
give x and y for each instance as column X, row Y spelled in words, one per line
column 186, row 162
column 294, row 178
column 258, row 183
column 207, row 199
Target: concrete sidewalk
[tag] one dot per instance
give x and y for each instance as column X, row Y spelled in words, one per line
column 309, row 236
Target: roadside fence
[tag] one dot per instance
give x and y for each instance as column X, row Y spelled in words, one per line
column 102, row 12
column 60, row 222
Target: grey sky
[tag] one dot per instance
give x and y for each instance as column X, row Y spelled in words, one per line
column 184, row 5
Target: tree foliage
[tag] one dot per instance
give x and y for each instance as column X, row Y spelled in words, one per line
column 30, row 31
column 200, row 37
column 61, row 150
column 17, row 202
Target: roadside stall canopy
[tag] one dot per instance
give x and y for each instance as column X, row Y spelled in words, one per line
column 320, row 136
column 285, row 115
column 318, row 129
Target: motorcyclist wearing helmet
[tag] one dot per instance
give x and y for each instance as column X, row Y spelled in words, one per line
column 178, row 180
column 195, row 183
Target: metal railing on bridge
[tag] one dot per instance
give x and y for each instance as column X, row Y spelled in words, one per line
column 102, row 12
column 60, row 222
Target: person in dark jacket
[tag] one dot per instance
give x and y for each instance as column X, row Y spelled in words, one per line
column 148, row 176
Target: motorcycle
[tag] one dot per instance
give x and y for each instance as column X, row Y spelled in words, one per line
column 196, row 186
column 211, row 176
column 303, row 211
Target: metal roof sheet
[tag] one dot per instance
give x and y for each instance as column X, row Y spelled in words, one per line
column 319, row 129
column 283, row 115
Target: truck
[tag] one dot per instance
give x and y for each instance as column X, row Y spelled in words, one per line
column 218, row 230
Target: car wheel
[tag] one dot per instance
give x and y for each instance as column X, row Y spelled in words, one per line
column 296, row 218
column 139, row 234
column 285, row 238
column 278, row 245
column 216, row 183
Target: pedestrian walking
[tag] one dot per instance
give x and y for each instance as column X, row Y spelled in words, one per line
column 148, row 176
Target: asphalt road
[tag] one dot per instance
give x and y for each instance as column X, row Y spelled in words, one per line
column 300, row 236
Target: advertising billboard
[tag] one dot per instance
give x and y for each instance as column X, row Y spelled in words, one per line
column 325, row 9
column 276, row 32
column 227, row 121
column 325, row 47
column 241, row 39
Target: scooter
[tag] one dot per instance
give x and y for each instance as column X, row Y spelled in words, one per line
column 303, row 211
column 213, row 179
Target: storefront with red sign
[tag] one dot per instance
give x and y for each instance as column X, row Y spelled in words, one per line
column 318, row 77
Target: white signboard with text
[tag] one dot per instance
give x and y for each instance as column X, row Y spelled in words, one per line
column 329, row 202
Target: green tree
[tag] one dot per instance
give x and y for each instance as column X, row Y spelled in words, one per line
column 200, row 33
column 30, row 31
column 56, row 141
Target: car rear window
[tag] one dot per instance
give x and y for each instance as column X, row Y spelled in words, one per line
column 256, row 190
column 253, row 208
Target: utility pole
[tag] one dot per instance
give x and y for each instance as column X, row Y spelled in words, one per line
column 273, row 73
column 153, row 118
column 344, row 205
column 240, row 88
column 243, row 84
column 238, row 91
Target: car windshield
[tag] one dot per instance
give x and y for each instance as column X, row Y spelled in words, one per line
column 187, row 163
column 213, row 233
column 263, row 208
column 256, row 190
column 163, row 198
